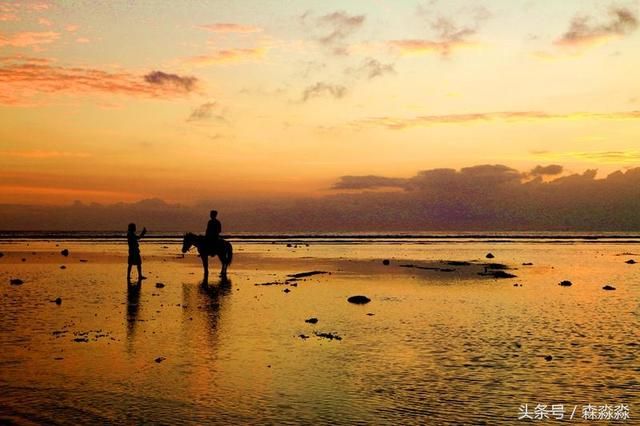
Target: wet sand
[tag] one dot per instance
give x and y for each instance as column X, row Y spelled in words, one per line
column 438, row 343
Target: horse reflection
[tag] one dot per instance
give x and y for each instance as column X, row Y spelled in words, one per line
column 212, row 298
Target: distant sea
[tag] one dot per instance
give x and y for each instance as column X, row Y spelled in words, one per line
column 423, row 237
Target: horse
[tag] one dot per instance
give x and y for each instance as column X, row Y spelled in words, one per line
column 221, row 248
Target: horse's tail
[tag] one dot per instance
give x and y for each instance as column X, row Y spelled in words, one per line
column 229, row 253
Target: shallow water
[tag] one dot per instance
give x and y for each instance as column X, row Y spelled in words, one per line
column 440, row 347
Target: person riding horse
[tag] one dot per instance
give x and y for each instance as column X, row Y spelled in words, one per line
column 214, row 228
column 210, row 245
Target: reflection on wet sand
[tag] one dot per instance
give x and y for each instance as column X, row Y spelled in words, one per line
column 133, row 307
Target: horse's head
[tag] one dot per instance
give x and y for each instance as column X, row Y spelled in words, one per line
column 187, row 242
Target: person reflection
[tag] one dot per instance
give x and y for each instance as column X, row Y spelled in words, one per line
column 133, row 307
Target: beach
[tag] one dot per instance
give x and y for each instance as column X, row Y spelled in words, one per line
column 443, row 339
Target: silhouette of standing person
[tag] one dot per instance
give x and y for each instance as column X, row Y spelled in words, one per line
column 134, row 251
column 214, row 228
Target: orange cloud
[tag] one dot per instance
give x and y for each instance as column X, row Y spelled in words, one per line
column 44, row 154
column 614, row 157
column 21, row 80
column 8, row 17
column 28, row 38
column 395, row 123
column 225, row 56
column 417, row 47
column 230, row 28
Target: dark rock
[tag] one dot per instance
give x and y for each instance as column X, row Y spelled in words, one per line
column 81, row 339
column 159, row 285
column 16, row 281
column 1, row 254
column 24, row 259
column 608, row 287
column 385, row 262
column 58, row 358
column 65, row 252
column 330, row 336
column 303, row 336
column 548, row 358
column 489, row 256
column 566, row 283
column 631, row 262
column 312, row 320
column 306, row 274
column 527, row 264
column 286, row 290
column 58, row 301
column 289, row 245
column 63, row 267
column 458, row 263
column 496, row 266
column 160, row 359
column 497, row 274
column 359, row 300
column 370, row 314
column 83, row 260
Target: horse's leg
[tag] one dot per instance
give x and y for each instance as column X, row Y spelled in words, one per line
column 222, row 268
column 205, row 266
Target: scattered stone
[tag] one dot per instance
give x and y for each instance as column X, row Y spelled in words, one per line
column 458, row 263
column 548, row 358
column 608, row 287
column 359, row 300
column 58, row 358
column 370, row 314
column 527, row 264
column 58, row 301
column 65, row 252
column 83, row 339
column 303, row 336
column 286, row 290
column 631, row 262
column 330, row 336
column 160, row 359
column 312, row 320
column 489, row 256
column 63, row 267
column 289, row 245
column 497, row 274
column 385, row 262
column 496, row 266
column 83, row 260
column 306, row 274
column 16, row 281
column 565, row 283
column 159, row 285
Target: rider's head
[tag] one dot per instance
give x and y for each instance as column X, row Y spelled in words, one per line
column 213, row 214
column 132, row 227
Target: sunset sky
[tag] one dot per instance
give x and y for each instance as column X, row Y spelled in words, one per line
column 199, row 100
